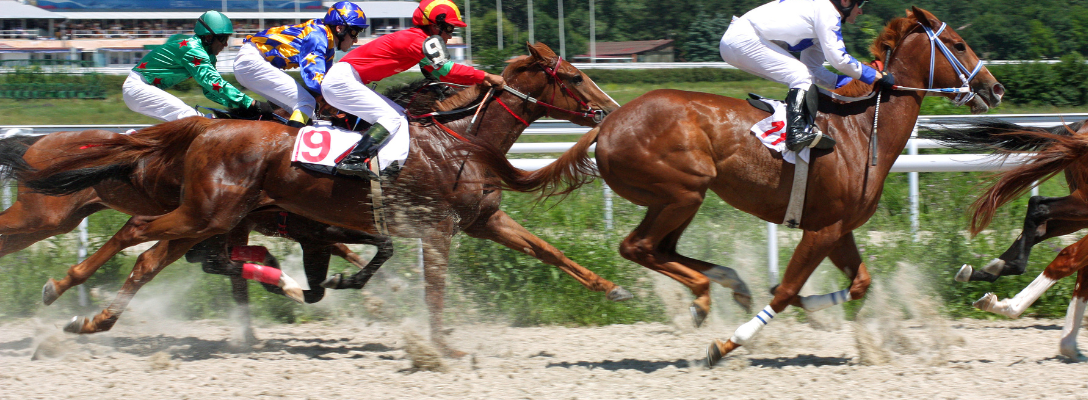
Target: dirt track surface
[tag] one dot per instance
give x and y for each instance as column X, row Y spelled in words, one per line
column 933, row 359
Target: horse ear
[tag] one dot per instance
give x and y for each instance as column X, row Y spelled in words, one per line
column 924, row 17
column 541, row 52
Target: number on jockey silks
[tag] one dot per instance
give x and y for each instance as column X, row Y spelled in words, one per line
column 435, row 52
column 323, row 145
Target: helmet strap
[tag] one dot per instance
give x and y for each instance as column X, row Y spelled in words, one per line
column 201, row 21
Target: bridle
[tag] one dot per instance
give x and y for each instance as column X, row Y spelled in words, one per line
column 964, row 93
column 586, row 111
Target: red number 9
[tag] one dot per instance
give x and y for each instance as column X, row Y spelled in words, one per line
column 323, row 146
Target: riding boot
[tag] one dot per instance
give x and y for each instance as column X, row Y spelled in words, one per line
column 799, row 117
column 297, row 120
column 355, row 164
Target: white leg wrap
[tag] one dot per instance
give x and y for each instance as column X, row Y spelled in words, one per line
column 820, row 302
column 1073, row 317
column 745, row 332
column 1015, row 306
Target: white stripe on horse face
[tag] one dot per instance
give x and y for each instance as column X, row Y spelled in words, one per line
column 605, row 93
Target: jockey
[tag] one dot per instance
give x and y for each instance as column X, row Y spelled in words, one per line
column 760, row 42
column 425, row 44
column 180, row 58
column 310, row 45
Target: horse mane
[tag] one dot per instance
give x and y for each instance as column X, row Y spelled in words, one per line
column 893, row 32
column 423, row 96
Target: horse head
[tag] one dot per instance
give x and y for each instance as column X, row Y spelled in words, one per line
column 953, row 71
column 560, row 87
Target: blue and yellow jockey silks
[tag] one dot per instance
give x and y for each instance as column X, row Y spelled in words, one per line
column 308, row 46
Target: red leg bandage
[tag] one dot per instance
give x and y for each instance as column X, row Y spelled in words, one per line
column 249, row 253
column 261, row 273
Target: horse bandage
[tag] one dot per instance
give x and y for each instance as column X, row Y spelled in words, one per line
column 261, row 273
column 822, row 301
column 745, row 332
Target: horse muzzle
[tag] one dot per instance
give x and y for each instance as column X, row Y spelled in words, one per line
column 986, row 97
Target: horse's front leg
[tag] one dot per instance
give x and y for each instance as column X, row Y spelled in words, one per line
column 813, row 248
column 846, row 258
column 499, row 227
column 436, row 251
column 148, row 264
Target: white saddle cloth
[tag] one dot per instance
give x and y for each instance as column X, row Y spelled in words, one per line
column 771, row 131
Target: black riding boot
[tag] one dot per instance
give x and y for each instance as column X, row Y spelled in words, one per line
column 799, row 116
column 356, row 163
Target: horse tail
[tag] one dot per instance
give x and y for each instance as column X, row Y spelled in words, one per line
column 12, row 149
column 87, row 163
column 572, row 170
column 1063, row 150
column 991, row 134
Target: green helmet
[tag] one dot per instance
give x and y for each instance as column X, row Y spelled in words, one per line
column 213, row 23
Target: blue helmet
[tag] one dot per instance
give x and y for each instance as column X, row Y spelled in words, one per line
column 346, row 13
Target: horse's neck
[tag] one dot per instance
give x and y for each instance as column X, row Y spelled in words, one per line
column 495, row 124
column 898, row 114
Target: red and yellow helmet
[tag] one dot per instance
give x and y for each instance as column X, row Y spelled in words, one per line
column 436, row 11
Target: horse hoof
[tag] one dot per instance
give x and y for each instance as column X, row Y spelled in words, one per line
column 49, row 293
column 697, row 315
column 75, row 325
column 296, row 294
column 714, row 353
column 618, row 293
column 332, row 282
column 986, row 303
column 964, row 275
column 994, row 267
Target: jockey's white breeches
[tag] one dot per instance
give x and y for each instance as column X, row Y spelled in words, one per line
column 153, row 102
column 258, row 75
column 743, row 48
column 343, row 89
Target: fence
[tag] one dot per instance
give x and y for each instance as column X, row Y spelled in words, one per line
column 911, row 163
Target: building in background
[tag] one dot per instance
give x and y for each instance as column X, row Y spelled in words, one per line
column 628, row 52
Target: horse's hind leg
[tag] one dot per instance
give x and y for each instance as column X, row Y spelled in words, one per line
column 1074, row 317
column 148, row 264
column 77, row 274
column 35, row 217
column 846, row 258
column 502, row 229
column 1068, row 261
column 366, row 270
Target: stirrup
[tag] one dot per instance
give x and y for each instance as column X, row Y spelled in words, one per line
column 353, row 166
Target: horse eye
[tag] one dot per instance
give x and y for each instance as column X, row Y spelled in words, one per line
column 577, row 80
column 960, row 46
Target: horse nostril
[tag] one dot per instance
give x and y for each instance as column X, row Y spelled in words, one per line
column 999, row 90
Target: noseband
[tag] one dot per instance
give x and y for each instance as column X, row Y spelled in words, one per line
column 964, row 93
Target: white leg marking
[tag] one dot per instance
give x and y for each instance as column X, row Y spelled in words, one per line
column 1073, row 317
column 1015, row 306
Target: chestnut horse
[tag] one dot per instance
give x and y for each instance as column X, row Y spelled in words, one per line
column 35, row 216
column 1063, row 148
column 235, row 167
column 665, row 149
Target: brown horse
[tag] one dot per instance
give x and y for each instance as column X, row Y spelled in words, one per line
column 35, row 216
column 1061, row 149
column 235, row 167
column 665, row 149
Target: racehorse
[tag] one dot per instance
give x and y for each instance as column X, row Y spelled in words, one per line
column 1059, row 149
column 35, row 216
column 665, row 149
column 235, row 167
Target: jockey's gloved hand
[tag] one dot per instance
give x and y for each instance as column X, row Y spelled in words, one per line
column 261, row 107
column 495, row 81
column 886, row 81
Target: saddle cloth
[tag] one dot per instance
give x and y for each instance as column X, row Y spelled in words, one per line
column 318, row 148
column 771, row 131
